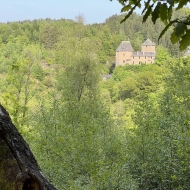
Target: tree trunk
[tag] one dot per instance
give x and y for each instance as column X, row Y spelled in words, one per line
column 18, row 168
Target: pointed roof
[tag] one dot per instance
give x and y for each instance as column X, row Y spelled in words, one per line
column 148, row 42
column 125, row 46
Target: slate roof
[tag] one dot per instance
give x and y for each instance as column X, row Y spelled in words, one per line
column 143, row 54
column 148, row 42
column 125, row 46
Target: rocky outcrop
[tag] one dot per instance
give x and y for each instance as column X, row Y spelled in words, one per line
column 18, row 167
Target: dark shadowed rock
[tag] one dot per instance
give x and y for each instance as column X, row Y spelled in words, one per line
column 18, row 167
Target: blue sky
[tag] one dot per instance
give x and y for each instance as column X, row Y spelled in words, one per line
column 94, row 11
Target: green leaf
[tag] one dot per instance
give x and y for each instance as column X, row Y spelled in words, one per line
column 122, row 2
column 174, row 39
column 130, row 12
column 139, row 5
column 182, row 3
column 166, row 28
column 171, row 2
column 127, row 16
column 148, row 12
column 156, row 13
column 180, row 29
column 170, row 11
column 185, row 40
column 164, row 13
column 146, row 5
column 126, row 8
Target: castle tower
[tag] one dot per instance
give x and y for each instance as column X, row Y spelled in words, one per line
column 123, row 53
column 148, row 46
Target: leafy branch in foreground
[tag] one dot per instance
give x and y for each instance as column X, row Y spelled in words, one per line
column 162, row 9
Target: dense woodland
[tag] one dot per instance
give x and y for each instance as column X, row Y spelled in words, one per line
column 131, row 131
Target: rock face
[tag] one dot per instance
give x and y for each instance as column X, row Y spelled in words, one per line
column 18, row 167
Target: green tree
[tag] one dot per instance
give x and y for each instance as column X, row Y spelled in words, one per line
column 158, row 146
column 84, row 153
column 48, row 35
column 19, row 89
column 162, row 55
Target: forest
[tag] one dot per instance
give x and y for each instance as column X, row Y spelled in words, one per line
column 130, row 132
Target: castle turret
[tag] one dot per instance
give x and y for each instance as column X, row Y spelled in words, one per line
column 148, row 46
column 123, row 53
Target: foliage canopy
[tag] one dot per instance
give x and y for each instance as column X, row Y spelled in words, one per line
column 163, row 9
column 131, row 131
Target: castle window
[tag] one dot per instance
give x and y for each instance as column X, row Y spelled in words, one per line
column 133, row 62
column 123, row 54
column 123, row 61
column 145, row 57
column 139, row 57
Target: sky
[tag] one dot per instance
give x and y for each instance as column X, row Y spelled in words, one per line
column 94, row 11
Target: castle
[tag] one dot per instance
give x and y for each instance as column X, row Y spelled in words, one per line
column 125, row 53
